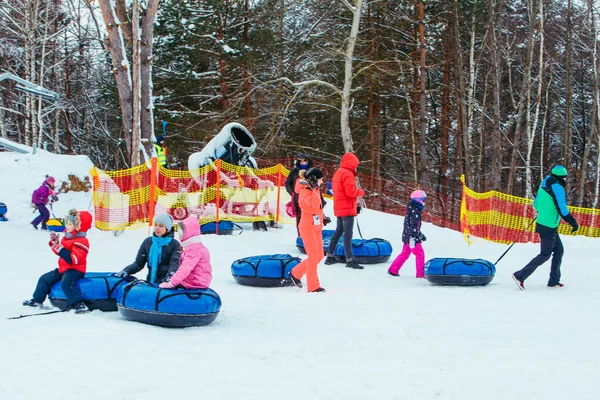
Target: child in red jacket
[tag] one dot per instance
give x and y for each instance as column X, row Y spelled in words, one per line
column 72, row 251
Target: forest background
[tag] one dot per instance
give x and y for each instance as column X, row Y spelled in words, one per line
column 422, row 91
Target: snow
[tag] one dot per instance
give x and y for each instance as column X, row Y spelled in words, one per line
column 370, row 336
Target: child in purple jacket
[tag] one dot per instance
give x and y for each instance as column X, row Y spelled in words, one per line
column 40, row 198
column 412, row 236
column 195, row 271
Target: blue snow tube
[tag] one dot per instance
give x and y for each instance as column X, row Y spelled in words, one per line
column 225, row 228
column 272, row 270
column 366, row 251
column 99, row 289
column 459, row 271
column 3, row 211
column 171, row 308
column 327, row 234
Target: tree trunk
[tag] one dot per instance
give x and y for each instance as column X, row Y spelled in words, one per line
column 496, row 139
column 466, row 144
column 445, row 116
column 525, row 92
column 146, row 58
column 595, row 111
column 136, row 133
column 422, row 100
column 568, row 138
column 348, row 72
column 531, row 132
column 121, row 70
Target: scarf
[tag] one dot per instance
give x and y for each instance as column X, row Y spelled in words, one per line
column 70, row 235
column 155, row 254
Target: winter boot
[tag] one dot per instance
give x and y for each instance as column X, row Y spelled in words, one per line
column 34, row 225
column 296, row 281
column 32, row 303
column 81, row 308
column 557, row 286
column 330, row 260
column 318, row 290
column 392, row 274
column 354, row 265
column 519, row 282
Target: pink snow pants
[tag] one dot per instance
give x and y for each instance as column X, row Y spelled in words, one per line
column 403, row 256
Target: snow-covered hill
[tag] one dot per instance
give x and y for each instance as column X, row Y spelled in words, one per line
column 370, row 336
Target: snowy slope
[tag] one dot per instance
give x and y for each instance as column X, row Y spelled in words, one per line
column 370, row 336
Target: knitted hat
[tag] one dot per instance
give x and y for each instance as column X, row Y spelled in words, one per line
column 419, row 195
column 160, row 138
column 559, row 170
column 50, row 179
column 164, row 219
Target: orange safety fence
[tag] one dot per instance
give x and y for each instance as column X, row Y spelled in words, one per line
column 219, row 191
column 503, row 218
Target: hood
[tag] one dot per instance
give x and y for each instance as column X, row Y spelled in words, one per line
column 191, row 227
column 310, row 161
column 86, row 221
column 349, row 161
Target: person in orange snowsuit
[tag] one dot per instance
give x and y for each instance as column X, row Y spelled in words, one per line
column 311, row 224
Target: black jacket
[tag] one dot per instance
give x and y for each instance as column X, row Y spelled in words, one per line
column 290, row 182
column 169, row 260
column 412, row 222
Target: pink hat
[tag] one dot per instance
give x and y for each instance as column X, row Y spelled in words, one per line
column 419, row 195
column 50, row 179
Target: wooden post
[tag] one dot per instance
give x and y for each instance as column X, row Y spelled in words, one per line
column 279, row 167
column 152, row 202
column 218, row 200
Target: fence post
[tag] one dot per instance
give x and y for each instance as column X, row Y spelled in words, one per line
column 218, row 200
column 153, row 178
column 278, row 192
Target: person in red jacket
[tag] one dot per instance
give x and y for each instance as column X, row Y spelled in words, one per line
column 72, row 253
column 310, row 227
column 345, row 194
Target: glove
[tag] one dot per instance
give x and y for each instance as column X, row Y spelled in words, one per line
column 422, row 237
column 571, row 221
column 55, row 197
column 411, row 242
column 575, row 226
column 166, row 285
column 56, row 247
column 326, row 221
column 54, row 238
column 358, row 209
column 121, row 274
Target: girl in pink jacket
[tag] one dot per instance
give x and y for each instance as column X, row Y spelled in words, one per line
column 194, row 270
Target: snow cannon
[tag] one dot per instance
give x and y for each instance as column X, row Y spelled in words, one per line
column 459, row 271
column 234, row 145
column 271, row 270
column 326, row 233
column 3, row 212
column 56, row 224
column 99, row 289
column 170, row 308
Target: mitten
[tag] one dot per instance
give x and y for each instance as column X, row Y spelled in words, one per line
column 121, row 274
column 326, row 221
column 166, row 285
column 411, row 242
column 55, row 197
column 54, row 238
column 358, row 209
column 571, row 221
column 575, row 226
column 57, row 247
column 422, row 237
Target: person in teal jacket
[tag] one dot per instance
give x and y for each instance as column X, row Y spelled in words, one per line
column 551, row 205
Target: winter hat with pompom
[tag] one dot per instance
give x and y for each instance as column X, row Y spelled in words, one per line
column 50, row 179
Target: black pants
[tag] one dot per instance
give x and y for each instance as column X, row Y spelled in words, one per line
column 68, row 284
column 345, row 225
column 551, row 246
